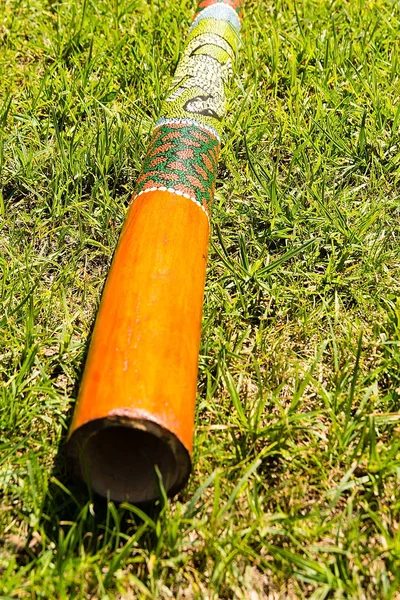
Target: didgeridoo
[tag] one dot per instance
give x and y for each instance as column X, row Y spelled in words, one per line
column 135, row 409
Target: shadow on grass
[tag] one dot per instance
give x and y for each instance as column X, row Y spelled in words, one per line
column 75, row 518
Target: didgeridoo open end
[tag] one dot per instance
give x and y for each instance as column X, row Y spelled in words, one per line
column 117, row 457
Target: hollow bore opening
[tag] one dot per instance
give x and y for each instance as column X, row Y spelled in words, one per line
column 120, row 463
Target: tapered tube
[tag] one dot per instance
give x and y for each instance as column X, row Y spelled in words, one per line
column 134, row 417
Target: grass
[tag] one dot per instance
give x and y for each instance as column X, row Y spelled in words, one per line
column 295, row 489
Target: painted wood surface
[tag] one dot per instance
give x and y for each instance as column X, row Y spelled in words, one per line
column 141, row 369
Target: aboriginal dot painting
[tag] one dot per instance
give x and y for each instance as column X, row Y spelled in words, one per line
column 183, row 152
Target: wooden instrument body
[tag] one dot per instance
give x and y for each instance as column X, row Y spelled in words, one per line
column 136, row 404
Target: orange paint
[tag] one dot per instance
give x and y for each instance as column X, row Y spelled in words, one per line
column 142, row 362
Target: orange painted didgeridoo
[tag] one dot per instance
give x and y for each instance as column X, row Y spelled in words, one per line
column 135, row 409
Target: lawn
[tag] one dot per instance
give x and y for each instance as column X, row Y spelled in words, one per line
column 295, row 491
